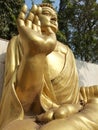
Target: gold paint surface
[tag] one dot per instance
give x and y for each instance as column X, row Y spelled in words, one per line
column 41, row 79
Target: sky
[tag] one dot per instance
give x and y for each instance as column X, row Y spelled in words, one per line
column 28, row 3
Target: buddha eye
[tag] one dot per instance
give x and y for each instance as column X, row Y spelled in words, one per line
column 46, row 13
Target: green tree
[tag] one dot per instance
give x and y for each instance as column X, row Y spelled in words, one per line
column 44, row 1
column 78, row 21
column 48, row 1
column 9, row 10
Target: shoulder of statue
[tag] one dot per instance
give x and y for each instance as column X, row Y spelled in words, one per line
column 60, row 47
column 13, row 40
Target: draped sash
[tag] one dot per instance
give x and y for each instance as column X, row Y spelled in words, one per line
column 64, row 88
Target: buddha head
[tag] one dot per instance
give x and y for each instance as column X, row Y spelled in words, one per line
column 48, row 17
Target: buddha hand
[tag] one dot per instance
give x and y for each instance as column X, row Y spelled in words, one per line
column 67, row 110
column 64, row 111
column 32, row 39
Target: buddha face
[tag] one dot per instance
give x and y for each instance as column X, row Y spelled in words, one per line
column 48, row 18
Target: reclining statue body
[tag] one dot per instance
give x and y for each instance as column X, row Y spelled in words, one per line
column 41, row 80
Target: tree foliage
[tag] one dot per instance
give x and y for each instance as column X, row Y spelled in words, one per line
column 45, row 1
column 48, row 1
column 9, row 10
column 78, row 21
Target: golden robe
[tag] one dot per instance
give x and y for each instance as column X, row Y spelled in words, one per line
column 61, row 90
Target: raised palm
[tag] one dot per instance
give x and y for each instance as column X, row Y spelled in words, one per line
column 31, row 36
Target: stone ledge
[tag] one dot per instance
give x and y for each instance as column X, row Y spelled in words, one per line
column 88, row 73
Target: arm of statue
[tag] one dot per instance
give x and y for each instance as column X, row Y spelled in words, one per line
column 36, row 46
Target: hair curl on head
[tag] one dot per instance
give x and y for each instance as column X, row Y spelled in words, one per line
column 46, row 5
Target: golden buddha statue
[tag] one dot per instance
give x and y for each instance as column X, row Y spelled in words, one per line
column 41, row 90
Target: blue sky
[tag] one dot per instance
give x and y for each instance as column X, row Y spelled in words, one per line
column 28, row 2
